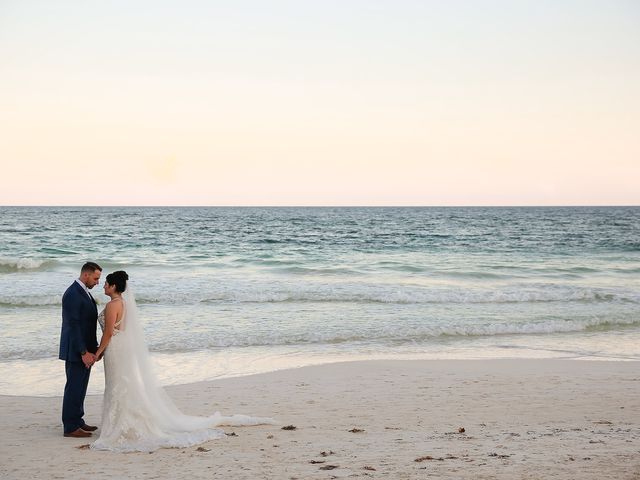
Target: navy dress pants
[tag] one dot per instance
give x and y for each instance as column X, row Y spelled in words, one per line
column 74, row 392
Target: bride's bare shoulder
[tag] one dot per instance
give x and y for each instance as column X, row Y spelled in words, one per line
column 115, row 304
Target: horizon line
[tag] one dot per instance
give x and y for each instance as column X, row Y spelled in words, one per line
column 330, row 206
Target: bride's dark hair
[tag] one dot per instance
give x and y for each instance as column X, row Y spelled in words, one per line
column 119, row 279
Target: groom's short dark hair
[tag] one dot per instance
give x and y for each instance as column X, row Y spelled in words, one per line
column 90, row 267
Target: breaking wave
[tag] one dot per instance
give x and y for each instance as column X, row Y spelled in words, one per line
column 396, row 335
column 10, row 265
column 361, row 294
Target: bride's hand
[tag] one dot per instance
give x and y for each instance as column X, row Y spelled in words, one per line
column 88, row 359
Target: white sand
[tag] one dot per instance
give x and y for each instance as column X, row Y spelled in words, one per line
column 524, row 419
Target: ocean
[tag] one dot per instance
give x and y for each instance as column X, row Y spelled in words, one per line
column 226, row 291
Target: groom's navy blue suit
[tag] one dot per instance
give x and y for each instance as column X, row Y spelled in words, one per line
column 78, row 334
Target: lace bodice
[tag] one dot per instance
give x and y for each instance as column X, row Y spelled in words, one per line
column 102, row 322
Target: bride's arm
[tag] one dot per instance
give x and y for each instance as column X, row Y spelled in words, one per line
column 110, row 315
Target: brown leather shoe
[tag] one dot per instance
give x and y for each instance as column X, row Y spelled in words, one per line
column 79, row 433
column 88, row 428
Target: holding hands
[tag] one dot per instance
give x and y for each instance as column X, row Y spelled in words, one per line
column 89, row 359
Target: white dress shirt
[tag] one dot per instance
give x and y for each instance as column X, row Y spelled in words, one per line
column 84, row 287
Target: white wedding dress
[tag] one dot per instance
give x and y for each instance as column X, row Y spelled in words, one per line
column 137, row 414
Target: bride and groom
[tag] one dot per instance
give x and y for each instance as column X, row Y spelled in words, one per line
column 137, row 414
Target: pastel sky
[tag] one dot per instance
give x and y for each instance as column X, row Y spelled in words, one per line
column 349, row 102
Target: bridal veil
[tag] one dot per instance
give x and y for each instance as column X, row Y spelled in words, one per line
column 138, row 415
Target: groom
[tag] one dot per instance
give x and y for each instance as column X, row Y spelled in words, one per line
column 78, row 345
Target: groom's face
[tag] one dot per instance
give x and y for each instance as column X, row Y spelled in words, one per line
column 91, row 279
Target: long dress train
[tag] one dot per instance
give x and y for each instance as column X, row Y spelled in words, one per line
column 138, row 415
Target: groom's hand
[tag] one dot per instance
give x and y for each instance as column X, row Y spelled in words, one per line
column 88, row 359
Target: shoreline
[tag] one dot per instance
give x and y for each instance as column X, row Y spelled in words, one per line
column 365, row 361
column 574, row 419
column 45, row 377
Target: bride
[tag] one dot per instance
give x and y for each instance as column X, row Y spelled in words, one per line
column 137, row 413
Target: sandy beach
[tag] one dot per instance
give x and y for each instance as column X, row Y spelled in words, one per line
column 524, row 419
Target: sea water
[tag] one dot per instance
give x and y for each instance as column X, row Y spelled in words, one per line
column 235, row 291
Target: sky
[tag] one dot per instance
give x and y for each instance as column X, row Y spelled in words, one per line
column 347, row 102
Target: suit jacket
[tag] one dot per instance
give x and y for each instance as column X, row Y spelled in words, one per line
column 79, row 324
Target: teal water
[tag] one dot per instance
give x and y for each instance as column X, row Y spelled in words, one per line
column 244, row 290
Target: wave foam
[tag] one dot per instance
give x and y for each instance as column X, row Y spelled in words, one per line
column 8, row 264
column 365, row 294
column 394, row 335
column 389, row 335
column 417, row 296
column 30, row 301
